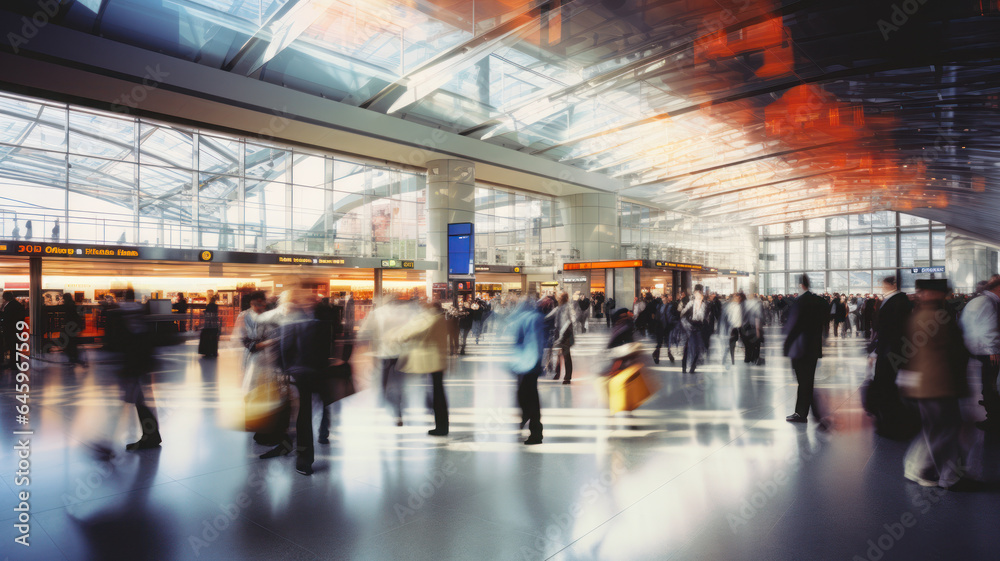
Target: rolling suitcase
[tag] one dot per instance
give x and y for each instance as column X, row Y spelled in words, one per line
column 628, row 389
column 208, row 343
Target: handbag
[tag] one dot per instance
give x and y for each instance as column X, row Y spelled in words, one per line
column 337, row 382
column 268, row 407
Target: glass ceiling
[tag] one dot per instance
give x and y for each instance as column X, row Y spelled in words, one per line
column 758, row 111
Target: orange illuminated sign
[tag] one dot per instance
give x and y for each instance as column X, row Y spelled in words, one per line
column 602, row 265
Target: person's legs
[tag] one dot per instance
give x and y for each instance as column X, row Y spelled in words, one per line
column 659, row 343
column 805, row 373
column 937, row 457
column 147, row 421
column 304, row 451
column 685, row 352
column 734, row 335
column 392, row 384
column 991, row 398
column 527, row 395
column 324, row 426
column 440, row 404
column 568, row 360
column 465, row 337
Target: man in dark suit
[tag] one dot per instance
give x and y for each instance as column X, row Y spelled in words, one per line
column 304, row 356
column 893, row 418
column 804, row 345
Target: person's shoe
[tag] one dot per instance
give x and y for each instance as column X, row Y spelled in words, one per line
column 279, row 450
column 566, row 381
column 304, row 470
column 671, row 357
column 436, row 432
column 656, row 359
column 533, row 440
column 556, row 377
column 145, row 443
column 399, row 421
column 796, row 418
column 324, row 440
column 684, row 371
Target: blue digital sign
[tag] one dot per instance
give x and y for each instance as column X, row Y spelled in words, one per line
column 461, row 249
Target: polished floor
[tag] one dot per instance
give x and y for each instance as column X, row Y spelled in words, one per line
column 707, row 470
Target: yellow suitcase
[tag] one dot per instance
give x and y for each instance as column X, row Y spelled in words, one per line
column 628, row 389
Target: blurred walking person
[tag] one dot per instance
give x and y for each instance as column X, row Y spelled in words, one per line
column 72, row 327
column 208, row 339
column 427, row 353
column 804, row 345
column 981, row 326
column 894, row 418
column 304, row 356
column 934, row 376
column 581, row 319
column 11, row 314
column 695, row 316
column 563, row 316
column 667, row 317
column 135, row 359
column 256, row 329
column 526, row 364
column 376, row 328
column 609, row 308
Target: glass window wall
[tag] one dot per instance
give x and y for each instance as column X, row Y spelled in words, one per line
column 114, row 179
column 853, row 253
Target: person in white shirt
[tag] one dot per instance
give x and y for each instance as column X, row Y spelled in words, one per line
column 981, row 330
column 695, row 314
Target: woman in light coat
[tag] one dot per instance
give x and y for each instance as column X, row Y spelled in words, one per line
column 426, row 336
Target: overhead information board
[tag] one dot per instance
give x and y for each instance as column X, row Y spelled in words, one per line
column 124, row 253
column 602, row 265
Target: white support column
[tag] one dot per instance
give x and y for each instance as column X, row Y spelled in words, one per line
column 451, row 192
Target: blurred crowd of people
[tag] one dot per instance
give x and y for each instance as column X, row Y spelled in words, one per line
column 297, row 349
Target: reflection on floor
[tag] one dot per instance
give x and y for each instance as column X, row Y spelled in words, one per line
column 707, row 470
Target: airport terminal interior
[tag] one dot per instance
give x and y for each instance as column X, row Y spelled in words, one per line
column 567, row 280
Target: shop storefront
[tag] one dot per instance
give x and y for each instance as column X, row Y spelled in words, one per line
column 98, row 276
